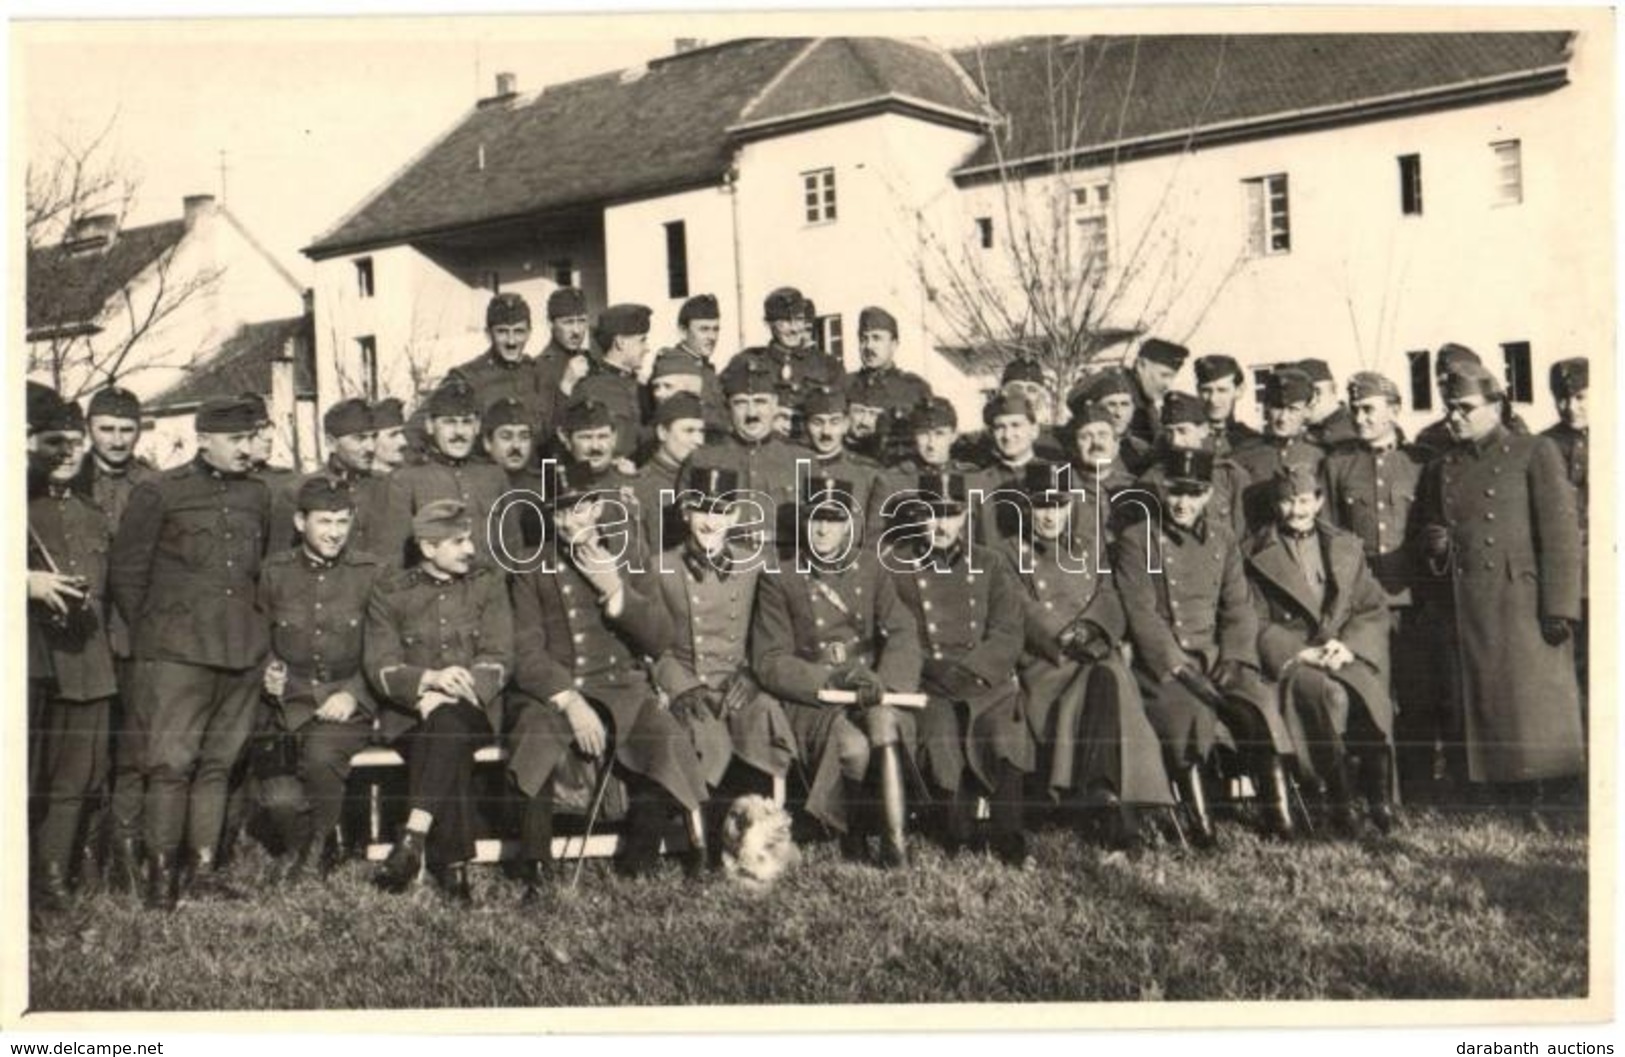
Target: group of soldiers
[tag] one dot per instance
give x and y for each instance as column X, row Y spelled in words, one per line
column 658, row 584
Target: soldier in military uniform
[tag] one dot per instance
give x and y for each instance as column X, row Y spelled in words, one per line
column 392, row 449
column 1437, row 437
column 1150, row 379
column 680, row 431
column 791, row 362
column 450, row 472
column 183, row 573
column 1195, row 636
column 438, row 648
column 503, row 369
column 1113, row 392
column 1328, row 421
column 1218, row 383
column 828, row 419
column 1287, row 393
column 764, row 462
column 1496, row 519
column 1082, row 705
column 967, row 603
column 880, row 393
column 71, row 536
column 582, row 689
column 1569, row 380
column 678, row 372
column 708, row 587
column 1096, row 453
column 276, row 477
column 699, row 321
column 934, row 426
column 1323, row 635
column 565, row 360
column 314, row 595
column 1370, row 488
column 623, row 332
column 379, row 515
column 1185, row 425
column 1012, row 424
column 835, row 622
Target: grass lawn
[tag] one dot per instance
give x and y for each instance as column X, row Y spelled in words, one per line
column 1451, row 907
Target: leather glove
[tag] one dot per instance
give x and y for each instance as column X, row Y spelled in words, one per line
column 1087, row 644
column 695, row 703
column 952, row 680
column 1229, row 674
column 861, row 680
column 1436, row 541
column 1555, row 630
column 1199, row 685
column 741, row 691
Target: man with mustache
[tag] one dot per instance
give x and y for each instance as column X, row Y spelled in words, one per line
column 829, row 421
column 503, row 369
column 1112, row 392
column 794, row 363
column 1287, row 392
column 881, row 394
column 183, row 572
column 764, row 463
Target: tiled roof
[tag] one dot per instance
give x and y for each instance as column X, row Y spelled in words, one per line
column 1116, row 89
column 835, row 73
column 67, row 289
column 243, row 364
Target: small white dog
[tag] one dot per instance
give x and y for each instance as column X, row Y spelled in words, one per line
column 756, row 844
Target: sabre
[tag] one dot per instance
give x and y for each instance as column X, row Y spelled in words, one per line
column 592, row 813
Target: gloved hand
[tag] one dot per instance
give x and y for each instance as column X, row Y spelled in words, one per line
column 1229, row 674
column 740, row 691
column 861, row 680
column 1436, row 541
column 1086, row 643
column 1198, row 684
column 1555, row 630
column 952, row 680
column 695, row 703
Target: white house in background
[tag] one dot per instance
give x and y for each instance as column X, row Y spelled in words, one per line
column 1363, row 198
column 186, row 290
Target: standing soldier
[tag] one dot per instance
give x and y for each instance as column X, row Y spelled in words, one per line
column 1113, row 392
column 582, row 687
column 881, row 393
column 1218, row 383
column 835, row 622
column 828, row 421
column 934, row 425
column 70, row 536
column 1185, row 426
column 393, row 447
column 700, row 323
column 1570, row 379
column 1370, row 487
column 1195, row 636
column 764, row 463
column 314, row 595
column 183, row 573
column 503, row 369
column 680, row 431
column 565, row 359
column 1329, row 421
column 438, row 647
column 791, row 362
column 379, row 520
column 1496, row 518
column 1436, row 437
column 1287, row 393
column 1324, row 636
column 1150, row 378
column 967, row 603
column 275, row 476
column 623, row 333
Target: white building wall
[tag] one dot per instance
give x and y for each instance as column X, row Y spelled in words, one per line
column 635, row 255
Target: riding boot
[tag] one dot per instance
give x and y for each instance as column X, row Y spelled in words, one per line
column 1279, row 793
column 855, row 838
column 1340, row 797
column 958, row 820
column 124, row 871
column 1008, row 821
column 163, row 881
column 1194, row 792
column 894, row 808
column 51, row 892
column 640, row 848
column 452, row 880
column 696, row 859
column 1379, row 783
column 401, row 868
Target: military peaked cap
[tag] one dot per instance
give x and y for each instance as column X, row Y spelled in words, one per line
column 115, row 403
column 228, row 414
column 347, row 417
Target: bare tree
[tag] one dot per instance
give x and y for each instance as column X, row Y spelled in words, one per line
column 1061, row 273
column 79, row 178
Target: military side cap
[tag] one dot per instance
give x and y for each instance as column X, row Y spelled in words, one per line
column 1087, row 414
column 1451, row 355
column 944, row 490
column 1097, row 387
column 668, row 364
column 1295, row 478
column 115, row 403
column 1007, row 404
column 262, row 414
column 700, row 306
column 454, row 396
column 824, row 400
column 933, row 412
column 1317, row 370
column 783, row 303
column 566, row 302
column 1212, row 368
column 623, row 319
column 709, row 487
column 56, row 416
column 228, row 414
column 828, row 499
column 1366, row 384
column 441, row 520
column 585, row 413
column 677, row 407
column 322, row 493
column 505, row 411
column 1047, row 483
column 1471, row 379
column 875, row 318
column 1164, row 352
column 1180, row 407
column 347, row 417
column 388, row 414
column 1188, row 465
column 745, row 377
column 1570, row 377
column 1285, row 386
column 42, row 400
column 506, row 310
column 1022, row 369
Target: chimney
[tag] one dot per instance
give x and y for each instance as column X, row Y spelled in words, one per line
column 507, row 88
column 91, row 233
column 196, row 206
column 686, row 44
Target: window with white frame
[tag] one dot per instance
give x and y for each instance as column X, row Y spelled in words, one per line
column 818, row 195
column 1269, row 223
column 366, row 348
column 1091, row 226
column 830, row 338
column 363, row 277
column 1508, row 172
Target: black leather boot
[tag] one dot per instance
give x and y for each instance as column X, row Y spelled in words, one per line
column 396, row 873
column 163, row 881
column 1008, row 821
column 894, row 809
column 1278, row 797
column 1378, row 767
column 124, row 867
column 536, row 882
column 1194, row 792
column 51, row 892
column 452, row 880
column 331, row 857
column 697, row 859
column 208, row 880
column 1340, row 798
column 640, row 848
column 855, row 838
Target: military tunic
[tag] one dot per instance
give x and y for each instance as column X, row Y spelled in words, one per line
column 380, row 525
column 798, row 370
column 493, row 378
column 661, row 521
column 1260, row 460
column 713, row 404
column 477, row 485
column 767, row 472
column 618, row 390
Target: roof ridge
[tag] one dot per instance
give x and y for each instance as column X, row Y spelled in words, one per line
column 849, row 45
column 779, row 78
column 259, row 247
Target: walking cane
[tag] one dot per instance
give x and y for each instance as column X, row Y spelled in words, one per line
column 601, row 787
column 1283, row 701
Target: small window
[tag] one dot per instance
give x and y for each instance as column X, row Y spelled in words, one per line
column 493, row 282
column 1092, row 226
column 363, row 277
column 1421, row 379
column 1269, row 225
column 830, row 338
column 1508, row 172
column 563, row 273
column 1520, row 386
column 1410, row 184
column 676, row 259
column 984, row 232
column 367, row 354
column 818, row 195
column 1260, row 376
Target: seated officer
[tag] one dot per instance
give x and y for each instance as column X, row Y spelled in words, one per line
column 438, row 647
column 1083, row 707
column 587, row 625
column 708, row 586
column 315, row 599
column 967, row 603
column 834, row 622
column 1324, row 633
column 1195, row 636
